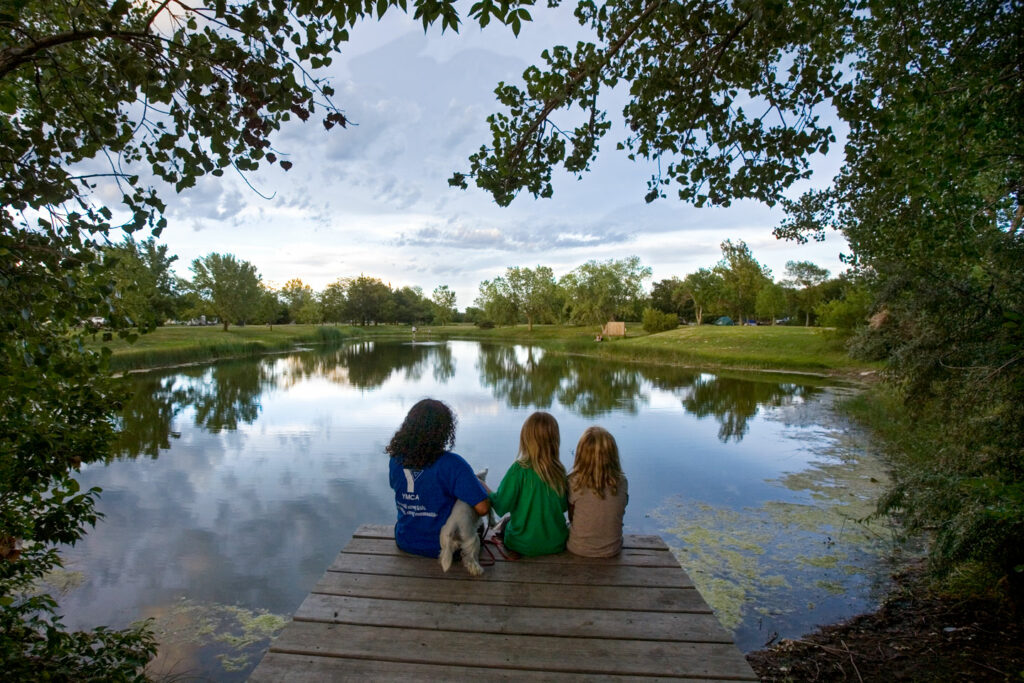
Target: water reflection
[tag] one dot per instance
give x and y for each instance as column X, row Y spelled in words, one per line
column 734, row 401
column 145, row 422
column 228, row 394
column 267, row 466
column 526, row 376
column 368, row 365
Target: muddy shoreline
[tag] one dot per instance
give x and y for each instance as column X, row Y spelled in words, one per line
column 916, row 635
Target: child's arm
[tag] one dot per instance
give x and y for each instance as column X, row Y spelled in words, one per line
column 504, row 499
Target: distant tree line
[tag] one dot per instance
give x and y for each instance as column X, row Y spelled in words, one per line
column 232, row 291
column 591, row 294
column 737, row 286
column 744, row 290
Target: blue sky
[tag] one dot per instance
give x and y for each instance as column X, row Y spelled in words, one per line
column 374, row 199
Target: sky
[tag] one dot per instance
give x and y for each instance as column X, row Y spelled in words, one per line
column 374, row 199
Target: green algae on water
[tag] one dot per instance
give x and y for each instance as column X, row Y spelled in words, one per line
column 774, row 558
column 238, row 635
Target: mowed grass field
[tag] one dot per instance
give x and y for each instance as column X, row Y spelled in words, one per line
column 767, row 347
column 807, row 349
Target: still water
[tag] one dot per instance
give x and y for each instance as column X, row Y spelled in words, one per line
column 236, row 484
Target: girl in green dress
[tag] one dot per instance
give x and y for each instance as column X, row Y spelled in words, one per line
column 534, row 491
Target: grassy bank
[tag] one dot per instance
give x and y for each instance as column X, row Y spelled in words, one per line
column 180, row 344
column 802, row 349
column 799, row 349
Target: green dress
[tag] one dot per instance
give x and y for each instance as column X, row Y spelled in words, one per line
column 537, row 525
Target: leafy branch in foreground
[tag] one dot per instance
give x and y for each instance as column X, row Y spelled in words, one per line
column 103, row 105
column 708, row 100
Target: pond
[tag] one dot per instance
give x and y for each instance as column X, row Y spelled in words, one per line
column 236, row 484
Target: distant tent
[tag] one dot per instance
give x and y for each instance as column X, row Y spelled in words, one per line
column 614, row 329
column 724, row 320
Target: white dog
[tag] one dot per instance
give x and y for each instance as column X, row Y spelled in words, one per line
column 460, row 532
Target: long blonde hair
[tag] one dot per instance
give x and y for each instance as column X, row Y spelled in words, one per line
column 538, row 449
column 596, row 466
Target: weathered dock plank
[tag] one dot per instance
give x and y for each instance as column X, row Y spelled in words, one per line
column 383, row 614
column 604, row 574
column 528, row 653
column 511, row 619
column 639, row 557
column 284, row 667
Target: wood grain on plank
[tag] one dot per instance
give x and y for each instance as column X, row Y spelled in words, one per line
column 511, row 619
column 278, row 667
column 640, row 557
column 529, row 653
column 655, row 599
column 583, row 573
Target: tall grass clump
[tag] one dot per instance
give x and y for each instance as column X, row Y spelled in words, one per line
column 954, row 484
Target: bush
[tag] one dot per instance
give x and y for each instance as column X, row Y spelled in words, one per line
column 485, row 324
column 656, row 321
column 845, row 314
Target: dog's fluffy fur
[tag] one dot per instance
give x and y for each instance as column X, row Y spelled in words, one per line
column 460, row 533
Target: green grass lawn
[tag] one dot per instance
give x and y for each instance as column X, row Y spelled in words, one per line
column 810, row 349
column 807, row 349
column 769, row 347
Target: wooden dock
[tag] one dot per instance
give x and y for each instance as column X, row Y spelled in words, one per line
column 379, row 613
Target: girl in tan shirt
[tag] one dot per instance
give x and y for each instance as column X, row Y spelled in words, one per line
column 598, row 493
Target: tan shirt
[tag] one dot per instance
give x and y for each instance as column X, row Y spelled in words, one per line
column 596, row 529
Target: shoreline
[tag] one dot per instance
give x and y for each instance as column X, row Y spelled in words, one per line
column 127, row 359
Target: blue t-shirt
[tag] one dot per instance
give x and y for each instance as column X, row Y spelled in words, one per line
column 425, row 498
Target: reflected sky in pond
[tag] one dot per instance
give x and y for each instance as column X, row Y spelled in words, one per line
column 236, row 484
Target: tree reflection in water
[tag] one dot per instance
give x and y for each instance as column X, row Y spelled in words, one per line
column 144, row 426
column 228, row 394
column 368, row 364
column 734, row 401
column 527, row 376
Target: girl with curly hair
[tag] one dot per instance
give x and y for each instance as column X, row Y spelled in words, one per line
column 428, row 478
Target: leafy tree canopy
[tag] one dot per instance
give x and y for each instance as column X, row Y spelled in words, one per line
column 704, row 289
column 534, row 291
column 730, row 98
column 143, row 95
column 367, row 299
column 145, row 289
column 230, row 287
column 742, row 278
column 497, row 302
column 444, row 304
column 597, row 292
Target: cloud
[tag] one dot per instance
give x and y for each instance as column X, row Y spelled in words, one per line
column 553, row 235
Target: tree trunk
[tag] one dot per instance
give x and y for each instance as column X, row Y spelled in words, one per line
column 225, row 323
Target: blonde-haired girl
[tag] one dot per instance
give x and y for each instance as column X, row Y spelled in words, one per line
column 534, row 491
column 598, row 493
